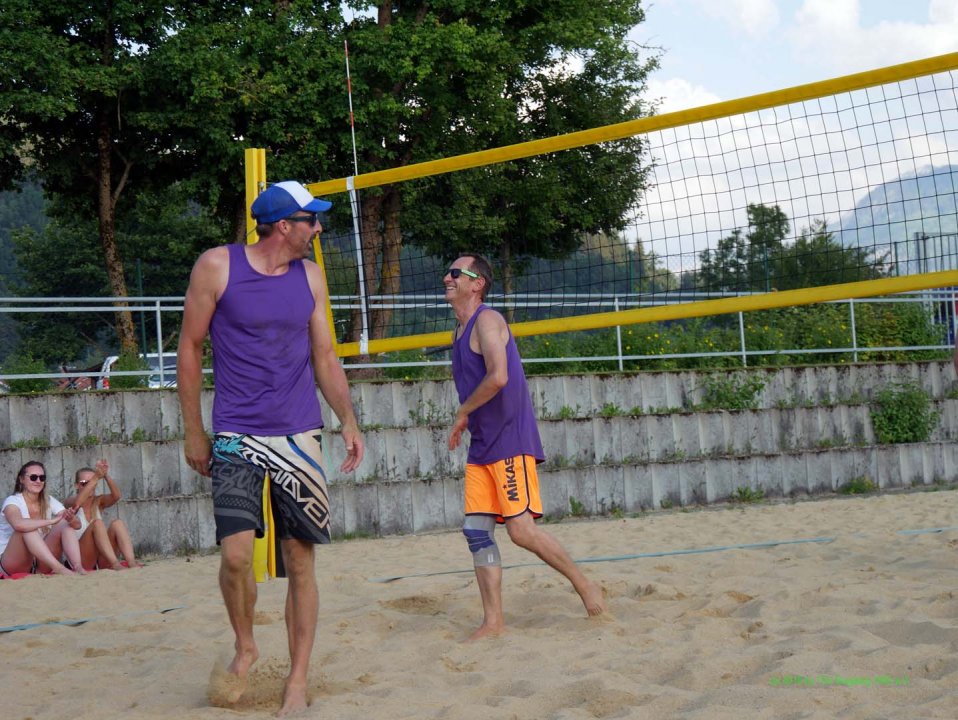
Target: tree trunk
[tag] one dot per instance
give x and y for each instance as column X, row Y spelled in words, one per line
column 106, row 207
column 508, row 282
column 390, row 270
column 239, row 224
column 372, row 242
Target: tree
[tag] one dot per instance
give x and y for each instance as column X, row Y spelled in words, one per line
column 443, row 78
column 761, row 261
column 817, row 258
column 265, row 73
column 19, row 208
column 746, row 263
column 161, row 236
column 77, row 111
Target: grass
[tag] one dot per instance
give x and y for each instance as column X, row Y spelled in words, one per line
column 744, row 494
column 861, row 485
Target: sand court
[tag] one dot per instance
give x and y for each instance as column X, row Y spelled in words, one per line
column 857, row 620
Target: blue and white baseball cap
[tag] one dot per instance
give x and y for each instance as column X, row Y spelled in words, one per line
column 282, row 199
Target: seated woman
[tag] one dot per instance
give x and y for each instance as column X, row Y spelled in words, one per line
column 35, row 529
column 100, row 545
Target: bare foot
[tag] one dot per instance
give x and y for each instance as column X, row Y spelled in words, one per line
column 64, row 570
column 228, row 684
column 594, row 599
column 486, row 631
column 294, row 700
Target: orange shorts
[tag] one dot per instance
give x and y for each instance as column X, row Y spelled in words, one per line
column 505, row 489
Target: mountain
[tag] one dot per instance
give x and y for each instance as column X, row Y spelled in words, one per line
column 912, row 219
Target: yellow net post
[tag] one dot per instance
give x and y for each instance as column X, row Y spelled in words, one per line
column 264, row 548
column 255, row 184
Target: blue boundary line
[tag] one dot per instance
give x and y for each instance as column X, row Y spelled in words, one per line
column 83, row 621
column 636, row 556
column 665, row 553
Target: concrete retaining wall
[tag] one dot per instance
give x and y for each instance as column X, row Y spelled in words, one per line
column 812, row 434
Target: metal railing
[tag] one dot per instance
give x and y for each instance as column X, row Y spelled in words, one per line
column 941, row 305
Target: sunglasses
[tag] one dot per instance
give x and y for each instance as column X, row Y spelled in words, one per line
column 311, row 218
column 454, row 273
column 83, row 483
column 37, row 478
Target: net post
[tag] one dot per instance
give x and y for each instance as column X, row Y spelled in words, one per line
column 255, row 164
column 360, row 266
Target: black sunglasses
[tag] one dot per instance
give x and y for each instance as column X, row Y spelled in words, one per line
column 454, row 273
column 37, row 478
column 311, row 218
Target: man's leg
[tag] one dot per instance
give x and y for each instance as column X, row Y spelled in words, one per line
column 480, row 534
column 239, row 595
column 526, row 534
column 302, row 608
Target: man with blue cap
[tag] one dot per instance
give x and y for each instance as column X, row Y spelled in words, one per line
column 264, row 309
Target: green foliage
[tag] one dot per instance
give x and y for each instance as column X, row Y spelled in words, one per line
column 23, row 363
column 429, row 413
column 761, row 260
column 577, row 509
column 19, row 208
column 416, row 372
column 738, row 391
column 890, row 324
column 858, row 486
column 903, row 413
column 567, row 413
column 745, row 494
column 127, row 362
column 37, row 442
column 610, row 410
column 162, row 237
column 509, row 63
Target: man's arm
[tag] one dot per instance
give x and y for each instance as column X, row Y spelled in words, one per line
column 206, row 283
column 492, row 335
column 329, row 373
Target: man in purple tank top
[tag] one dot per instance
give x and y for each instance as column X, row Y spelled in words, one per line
column 501, row 482
column 264, row 308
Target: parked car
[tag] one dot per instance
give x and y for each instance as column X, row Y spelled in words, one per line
column 153, row 380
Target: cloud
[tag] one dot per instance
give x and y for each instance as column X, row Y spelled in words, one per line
column 678, row 94
column 755, row 18
column 830, row 34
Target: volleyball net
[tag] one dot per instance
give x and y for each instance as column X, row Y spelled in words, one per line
column 838, row 189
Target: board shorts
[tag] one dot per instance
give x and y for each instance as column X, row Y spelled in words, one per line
column 504, row 489
column 297, row 477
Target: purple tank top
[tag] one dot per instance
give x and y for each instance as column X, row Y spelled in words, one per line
column 506, row 425
column 261, row 352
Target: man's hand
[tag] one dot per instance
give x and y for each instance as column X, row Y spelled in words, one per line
column 198, row 452
column 102, row 468
column 459, row 424
column 354, row 448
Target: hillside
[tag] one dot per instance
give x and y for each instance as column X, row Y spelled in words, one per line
column 890, row 217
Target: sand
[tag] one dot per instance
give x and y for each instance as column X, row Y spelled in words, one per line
column 864, row 625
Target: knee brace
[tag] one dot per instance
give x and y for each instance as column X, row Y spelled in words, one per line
column 480, row 534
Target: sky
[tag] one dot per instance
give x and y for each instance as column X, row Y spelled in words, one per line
column 815, row 166
column 714, row 50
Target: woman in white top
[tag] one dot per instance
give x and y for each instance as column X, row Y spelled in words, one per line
column 35, row 529
column 100, row 545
